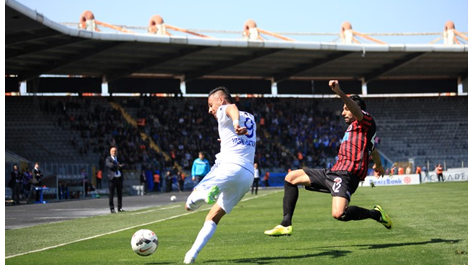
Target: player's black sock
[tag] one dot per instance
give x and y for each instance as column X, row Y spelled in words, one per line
column 291, row 194
column 358, row 213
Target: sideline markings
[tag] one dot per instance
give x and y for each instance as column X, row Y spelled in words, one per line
column 131, row 227
column 154, row 210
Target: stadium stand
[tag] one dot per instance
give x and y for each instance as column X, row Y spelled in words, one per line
column 32, row 131
column 428, row 129
column 292, row 133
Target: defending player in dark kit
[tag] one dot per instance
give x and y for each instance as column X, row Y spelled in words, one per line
column 343, row 179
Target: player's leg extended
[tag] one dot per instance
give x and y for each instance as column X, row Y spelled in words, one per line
column 291, row 194
column 205, row 234
column 232, row 186
column 341, row 211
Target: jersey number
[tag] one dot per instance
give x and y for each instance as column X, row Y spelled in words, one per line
column 337, row 185
column 250, row 126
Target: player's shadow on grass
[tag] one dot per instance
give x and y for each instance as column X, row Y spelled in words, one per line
column 432, row 241
column 330, row 253
column 267, row 260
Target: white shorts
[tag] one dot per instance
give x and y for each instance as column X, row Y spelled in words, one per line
column 233, row 181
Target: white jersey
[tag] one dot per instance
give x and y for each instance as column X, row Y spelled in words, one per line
column 237, row 149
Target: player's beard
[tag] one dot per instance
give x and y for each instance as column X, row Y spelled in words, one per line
column 349, row 120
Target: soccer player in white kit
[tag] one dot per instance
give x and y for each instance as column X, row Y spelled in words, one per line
column 232, row 175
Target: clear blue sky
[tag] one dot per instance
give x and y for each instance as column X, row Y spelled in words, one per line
column 366, row 16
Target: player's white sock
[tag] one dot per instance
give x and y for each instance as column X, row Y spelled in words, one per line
column 203, row 237
column 195, row 200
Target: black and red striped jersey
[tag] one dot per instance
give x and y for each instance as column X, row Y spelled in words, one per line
column 357, row 146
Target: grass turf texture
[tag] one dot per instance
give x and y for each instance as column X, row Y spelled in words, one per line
column 430, row 227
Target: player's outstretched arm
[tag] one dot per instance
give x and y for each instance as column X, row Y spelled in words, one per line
column 350, row 104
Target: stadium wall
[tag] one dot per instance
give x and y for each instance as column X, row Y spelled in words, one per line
column 412, row 179
column 459, row 174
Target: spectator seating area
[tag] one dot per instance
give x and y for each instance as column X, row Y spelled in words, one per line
column 433, row 130
column 292, row 132
column 33, row 131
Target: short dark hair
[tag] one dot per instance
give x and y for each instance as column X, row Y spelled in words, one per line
column 225, row 91
column 359, row 101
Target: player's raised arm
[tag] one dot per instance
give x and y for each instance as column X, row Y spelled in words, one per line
column 233, row 112
column 350, row 104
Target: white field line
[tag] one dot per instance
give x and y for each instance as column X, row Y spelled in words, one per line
column 154, row 210
column 130, row 227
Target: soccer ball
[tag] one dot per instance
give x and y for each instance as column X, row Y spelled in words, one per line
column 144, row 242
column 173, row 198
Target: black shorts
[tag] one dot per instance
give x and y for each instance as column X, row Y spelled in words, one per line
column 338, row 183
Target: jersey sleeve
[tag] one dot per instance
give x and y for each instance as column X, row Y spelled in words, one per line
column 367, row 120
column 370, row 128
column 222, row 115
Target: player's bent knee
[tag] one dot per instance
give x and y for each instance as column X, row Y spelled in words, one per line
column 194, row 201
column 297, row 177
column 342, row 216
column 339, row 215
column 288, row 178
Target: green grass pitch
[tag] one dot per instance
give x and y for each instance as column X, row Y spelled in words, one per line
column 430, row 227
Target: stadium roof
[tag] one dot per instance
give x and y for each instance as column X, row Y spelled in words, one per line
column 36, row 45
